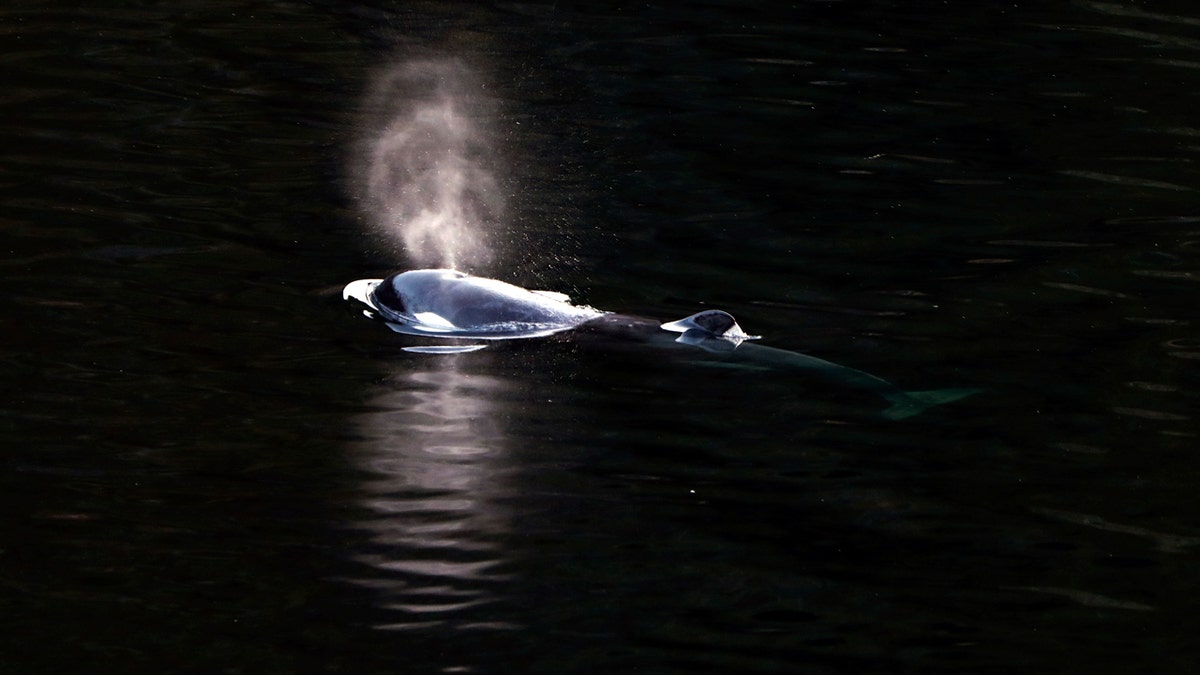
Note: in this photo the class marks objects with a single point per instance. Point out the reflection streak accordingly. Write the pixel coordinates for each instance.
(432, 502)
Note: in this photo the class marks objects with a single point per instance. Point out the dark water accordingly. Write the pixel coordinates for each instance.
(211, 464)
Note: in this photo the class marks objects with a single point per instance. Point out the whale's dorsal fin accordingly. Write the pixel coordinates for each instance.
(711, 322)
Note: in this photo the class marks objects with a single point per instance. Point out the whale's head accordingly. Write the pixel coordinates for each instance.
(449, 303)
(406, 295)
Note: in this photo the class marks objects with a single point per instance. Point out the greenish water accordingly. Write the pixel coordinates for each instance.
(211, 464)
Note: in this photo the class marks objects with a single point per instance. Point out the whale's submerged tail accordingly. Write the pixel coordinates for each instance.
(907, 404)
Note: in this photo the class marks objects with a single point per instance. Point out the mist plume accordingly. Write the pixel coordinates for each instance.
(424, 171)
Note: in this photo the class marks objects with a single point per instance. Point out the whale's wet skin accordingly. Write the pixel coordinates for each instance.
(453, 306)
(450, 304)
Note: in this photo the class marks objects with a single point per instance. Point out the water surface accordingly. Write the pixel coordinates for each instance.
(212, 464)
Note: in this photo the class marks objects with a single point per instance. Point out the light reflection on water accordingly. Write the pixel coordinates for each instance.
(435, 458)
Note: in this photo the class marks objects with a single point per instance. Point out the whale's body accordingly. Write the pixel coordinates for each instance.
(451, 305)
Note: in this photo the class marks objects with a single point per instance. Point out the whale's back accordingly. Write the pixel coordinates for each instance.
(451, 303)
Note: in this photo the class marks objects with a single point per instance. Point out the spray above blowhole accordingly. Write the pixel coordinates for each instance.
(424, 172)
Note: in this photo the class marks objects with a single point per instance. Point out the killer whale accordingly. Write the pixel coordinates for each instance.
(448, 304)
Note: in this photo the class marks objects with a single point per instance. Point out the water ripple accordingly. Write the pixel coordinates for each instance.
(431, 507)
